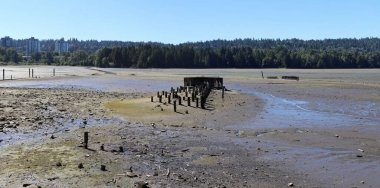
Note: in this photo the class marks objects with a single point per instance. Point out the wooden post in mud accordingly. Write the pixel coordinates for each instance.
(160, 99)
(188, 101)
(262, 74)
(11, 77)
(203, 102)
(196, 102)
(169, 99)
(32, 73)
(53, 71)
(166, 94)
(29, 72)
(3, 74)
(158, 94)
(179, 100)
(187, 94)
(223, 92)
(175, 106)
(151, 99)
(85, 140)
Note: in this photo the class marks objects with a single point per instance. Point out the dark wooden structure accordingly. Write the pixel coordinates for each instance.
(291, 78)
(212, 82)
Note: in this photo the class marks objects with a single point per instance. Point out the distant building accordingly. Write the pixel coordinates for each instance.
(61, 46)
(6, 42)
(32, 46)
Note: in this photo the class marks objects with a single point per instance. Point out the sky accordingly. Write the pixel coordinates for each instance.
(178, 21)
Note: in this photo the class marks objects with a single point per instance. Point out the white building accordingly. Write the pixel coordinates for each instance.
(32, 46)
(6, 42)
(61, 46)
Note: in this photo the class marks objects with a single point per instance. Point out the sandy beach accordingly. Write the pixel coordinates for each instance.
(321, 131)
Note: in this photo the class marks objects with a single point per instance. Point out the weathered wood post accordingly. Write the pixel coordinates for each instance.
(3, 74)
(11, 77)
(85, 140)
(29, 72)
(166, 94)
(223, 92)
(53, 71)
(262, 74)
(169, 99)
(203, 102)
(196, 102)
(188, 101)
(192, 96)
(175, 106)
(187, 94)
(151, 99)
(179, 101)
(158, 94)
(160, 99)
(32, 73)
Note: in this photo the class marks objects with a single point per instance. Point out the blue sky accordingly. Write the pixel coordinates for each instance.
(176, 21)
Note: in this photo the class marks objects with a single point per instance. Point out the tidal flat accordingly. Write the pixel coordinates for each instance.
(320, 131)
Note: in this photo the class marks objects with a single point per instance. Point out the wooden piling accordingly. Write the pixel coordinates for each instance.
(53, 71)
(223, 92)
(11, 77)
(166, 94)
(151, 99)
(188, 101)
(103, 168)
(3, 74)
(203, 101)
(32, 73)
(29, 72)
(197, 102)
(85, 139)
(179, 101)
(175, 106)
(160, 99)
(169, 99)
(158, 94)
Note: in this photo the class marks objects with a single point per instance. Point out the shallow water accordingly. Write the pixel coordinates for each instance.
(119, 84)
(286, 113)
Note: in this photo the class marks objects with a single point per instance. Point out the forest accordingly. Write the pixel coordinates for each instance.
(239, 53)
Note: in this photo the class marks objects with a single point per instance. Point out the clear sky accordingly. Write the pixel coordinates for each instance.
(176, 21)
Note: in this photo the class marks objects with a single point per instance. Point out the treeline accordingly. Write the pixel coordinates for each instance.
(186, 56)
(364, 44)
(240, 53)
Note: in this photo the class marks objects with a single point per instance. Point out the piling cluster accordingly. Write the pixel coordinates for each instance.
(190, 96)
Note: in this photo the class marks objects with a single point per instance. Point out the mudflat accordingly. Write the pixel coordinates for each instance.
(320, 131)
